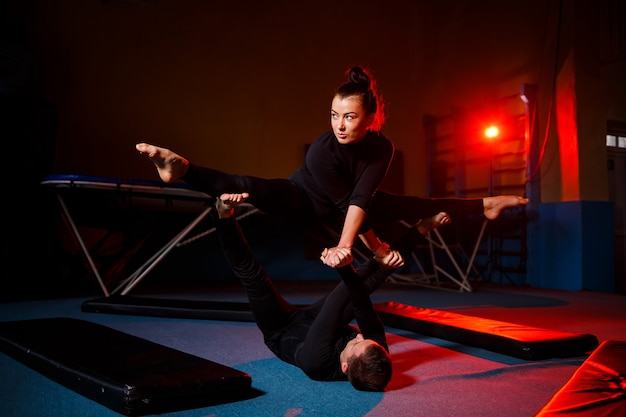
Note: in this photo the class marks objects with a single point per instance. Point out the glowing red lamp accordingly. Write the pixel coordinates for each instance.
(491, 132)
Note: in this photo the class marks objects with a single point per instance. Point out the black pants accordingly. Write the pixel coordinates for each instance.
(284, 198)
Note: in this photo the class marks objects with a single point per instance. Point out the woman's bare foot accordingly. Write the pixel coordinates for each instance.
(426, 225)
(494, 205)
(170, 165)
(225, 205)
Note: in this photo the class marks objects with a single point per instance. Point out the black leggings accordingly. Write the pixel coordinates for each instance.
(272, 312)
(285, 198)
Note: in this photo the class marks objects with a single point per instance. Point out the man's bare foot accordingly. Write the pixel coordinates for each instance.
(170, 165)
(426, 225)
(225, 205)
(494, 205)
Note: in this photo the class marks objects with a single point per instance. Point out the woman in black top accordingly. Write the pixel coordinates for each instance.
(319, 338)
(338, 183)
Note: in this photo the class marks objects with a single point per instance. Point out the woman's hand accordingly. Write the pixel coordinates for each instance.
(336, 257)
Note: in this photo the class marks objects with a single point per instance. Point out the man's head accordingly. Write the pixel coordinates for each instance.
(366, 363)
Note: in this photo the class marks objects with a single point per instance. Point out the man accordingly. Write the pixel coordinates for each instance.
(319, 338)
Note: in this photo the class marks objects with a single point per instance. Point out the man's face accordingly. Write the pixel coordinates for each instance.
(354, 348)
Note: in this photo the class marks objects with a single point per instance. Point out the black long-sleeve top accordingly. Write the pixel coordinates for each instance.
(340, 175)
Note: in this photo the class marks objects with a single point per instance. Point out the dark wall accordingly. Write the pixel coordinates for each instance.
(244, 86)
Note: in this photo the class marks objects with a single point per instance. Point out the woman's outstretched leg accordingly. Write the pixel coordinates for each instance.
(173, 167)
(389, 207)
(276, 197)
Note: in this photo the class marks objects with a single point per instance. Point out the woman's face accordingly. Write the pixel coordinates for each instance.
(348, 119)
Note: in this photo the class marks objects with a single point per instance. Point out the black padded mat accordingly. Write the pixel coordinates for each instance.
(520, 341)
(169, 307)
(517, 340)
(128, 374)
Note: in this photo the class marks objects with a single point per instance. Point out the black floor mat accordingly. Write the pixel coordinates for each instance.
(128, 374)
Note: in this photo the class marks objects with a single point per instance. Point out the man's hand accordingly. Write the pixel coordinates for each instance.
(336, 257)
(391, 259)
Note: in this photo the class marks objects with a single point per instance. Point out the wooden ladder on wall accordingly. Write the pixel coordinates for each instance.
(462, 162)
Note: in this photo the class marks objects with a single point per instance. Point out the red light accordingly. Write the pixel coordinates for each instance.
(491, 132)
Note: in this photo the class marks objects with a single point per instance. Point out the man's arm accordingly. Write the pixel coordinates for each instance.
(366, 317)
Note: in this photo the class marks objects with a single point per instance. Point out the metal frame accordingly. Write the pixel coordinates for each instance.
(458, 276)
(162, 191)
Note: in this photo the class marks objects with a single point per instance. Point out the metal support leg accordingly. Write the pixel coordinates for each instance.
(82, 245)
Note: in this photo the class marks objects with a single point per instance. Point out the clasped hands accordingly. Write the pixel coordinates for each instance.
(337, 257)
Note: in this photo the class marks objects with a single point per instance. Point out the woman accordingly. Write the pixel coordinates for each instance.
(338, 183)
